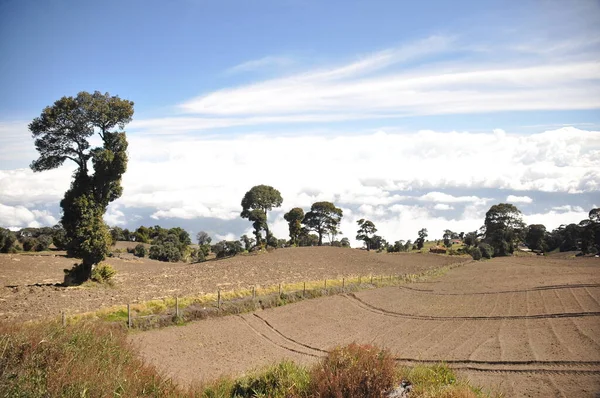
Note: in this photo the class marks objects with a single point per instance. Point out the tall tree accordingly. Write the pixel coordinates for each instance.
(365, 231)
(61, 133)
(294, 218)
(203, 238)
(323, 218)
(535, 237)
(421, 239)
(503, 227)
(260, 198)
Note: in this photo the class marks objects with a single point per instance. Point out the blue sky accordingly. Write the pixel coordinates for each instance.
(497, 99)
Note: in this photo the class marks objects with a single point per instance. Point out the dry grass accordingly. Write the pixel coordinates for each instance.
(83, 360)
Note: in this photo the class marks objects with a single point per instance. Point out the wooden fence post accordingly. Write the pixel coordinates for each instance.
(325, 283)
(129, 316)
(304, 290)
(253, 291)
(219, 299)
(177, 307)
(371, 279)
(280, 289)
(343, 283)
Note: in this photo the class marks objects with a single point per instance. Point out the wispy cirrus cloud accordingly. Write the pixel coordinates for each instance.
(267, 62)
(411, 80)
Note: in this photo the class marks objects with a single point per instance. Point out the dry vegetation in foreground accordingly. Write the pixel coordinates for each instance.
(93, 359)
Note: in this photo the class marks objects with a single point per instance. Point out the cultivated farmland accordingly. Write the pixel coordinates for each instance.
(28, 289)
(525, 326)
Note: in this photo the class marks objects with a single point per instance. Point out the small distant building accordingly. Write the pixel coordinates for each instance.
(456, 242)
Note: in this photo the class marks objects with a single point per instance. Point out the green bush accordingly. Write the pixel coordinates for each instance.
(487, 251)
(166, 251)
(354, 371)
(29, 244)
(139, 250)
(103, 273)
(227, 248)
(476, 253)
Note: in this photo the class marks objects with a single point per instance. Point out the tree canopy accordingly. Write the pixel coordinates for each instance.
(255, 204)
(323, 218)
(503, 226)
(294, 218)
(61, 133)
(365, 231)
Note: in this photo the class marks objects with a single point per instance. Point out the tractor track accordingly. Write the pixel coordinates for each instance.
(371, 308)
(522, 367)
(535, 289)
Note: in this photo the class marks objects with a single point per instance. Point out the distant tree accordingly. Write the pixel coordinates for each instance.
(203, 238)
(421, 239)
(365, 231)
(59, 239)
(247, 241)
(503, 227)
(260, 199)
(294, 218)
(117, 234)
(322, 218)
(7, 240)
(227, 248)
(378, 243)
(471, 239)
(345, 242)
(448, 236)
(170, 244)
(61, 133)
(142, 234)
(397, 247)
(535, 237)
(308, 239)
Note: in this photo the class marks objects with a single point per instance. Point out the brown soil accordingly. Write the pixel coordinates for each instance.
(28, 290)
(524, 326)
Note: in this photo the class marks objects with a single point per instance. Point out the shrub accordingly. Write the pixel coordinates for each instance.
(354, 371)
(43, 243)
(487, 251)
(165, 252)
(476, 253)
(139, 250)
(29, 244)
(103, 273)
(227, 248)
(283, 380)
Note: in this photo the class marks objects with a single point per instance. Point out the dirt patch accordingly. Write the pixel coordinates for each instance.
(27, 288)
(495, 322)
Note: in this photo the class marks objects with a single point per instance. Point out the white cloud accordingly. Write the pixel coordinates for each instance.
(518, 199)
(114, 216)
(553, 219)
(16, 217)
(441, 197)
(190, 178)
(568, 208)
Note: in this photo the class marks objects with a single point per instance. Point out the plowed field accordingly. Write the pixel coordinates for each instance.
(525, 326)
(28, 290)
